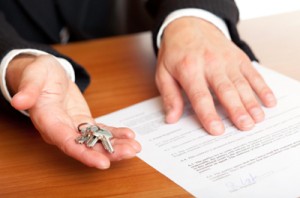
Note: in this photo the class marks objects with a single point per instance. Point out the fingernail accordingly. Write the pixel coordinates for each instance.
(168, 110)
(257, 114)
(169, 115)
(271, 100)
(216, 128)
(128, 156)
(137, 147)
(104, 165)
(245, 122)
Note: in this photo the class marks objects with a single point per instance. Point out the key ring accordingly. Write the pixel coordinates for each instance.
(80, 126)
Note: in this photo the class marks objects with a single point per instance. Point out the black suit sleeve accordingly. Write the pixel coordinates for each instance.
(225, 9)
(10, 39)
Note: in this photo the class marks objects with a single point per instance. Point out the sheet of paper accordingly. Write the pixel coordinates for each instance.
(263, 162)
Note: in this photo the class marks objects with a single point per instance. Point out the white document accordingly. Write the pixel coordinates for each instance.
(263, 162)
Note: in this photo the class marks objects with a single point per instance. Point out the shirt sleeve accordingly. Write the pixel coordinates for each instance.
(13, 53)
(195, 12)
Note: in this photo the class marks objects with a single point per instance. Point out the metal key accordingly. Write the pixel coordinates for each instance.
(82, 139)
(93, 136)
(105, 140)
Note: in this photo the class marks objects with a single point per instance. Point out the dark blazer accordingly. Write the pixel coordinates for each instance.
(37, 23)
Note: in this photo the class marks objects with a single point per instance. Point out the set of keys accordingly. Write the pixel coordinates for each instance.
(91, 134)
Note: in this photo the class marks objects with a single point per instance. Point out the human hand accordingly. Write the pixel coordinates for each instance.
(56, 107)
(197, 57)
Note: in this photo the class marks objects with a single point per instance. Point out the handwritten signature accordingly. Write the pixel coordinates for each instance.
(242, 182)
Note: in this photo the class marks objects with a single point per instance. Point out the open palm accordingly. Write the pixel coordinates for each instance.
(56, 107)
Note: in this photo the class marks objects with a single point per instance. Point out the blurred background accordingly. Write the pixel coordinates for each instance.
(259, 8)
(134, 17)
(130, 16)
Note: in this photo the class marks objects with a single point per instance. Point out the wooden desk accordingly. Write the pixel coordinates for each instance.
(122, 70)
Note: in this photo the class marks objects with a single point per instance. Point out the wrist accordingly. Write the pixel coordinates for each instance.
(189, 24)
(188, 30)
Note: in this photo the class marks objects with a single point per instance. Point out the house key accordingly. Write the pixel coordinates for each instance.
(105, 139)
(91, 134)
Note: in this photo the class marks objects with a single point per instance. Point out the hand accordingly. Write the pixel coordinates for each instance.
(57, 107)
(197, 57)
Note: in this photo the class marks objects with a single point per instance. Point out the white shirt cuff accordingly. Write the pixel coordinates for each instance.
(13, 53)
(195, 12)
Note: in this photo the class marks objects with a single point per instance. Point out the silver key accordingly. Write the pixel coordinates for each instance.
(92, 141)
(82, 139)
(93, 136)
(105, 140)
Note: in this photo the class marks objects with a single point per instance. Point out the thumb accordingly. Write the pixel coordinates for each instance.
(29, 89)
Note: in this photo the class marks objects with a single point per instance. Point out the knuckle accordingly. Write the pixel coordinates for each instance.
(209, 56)
(251, 104)
(239, 82)
(229, 55)
(237, 111)
(186, 67)
(238, 54)
(211, 59)
(224, 88)
(169, 99)
(244, 58)
(187, 63)
(200, 96)
(257, 80)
